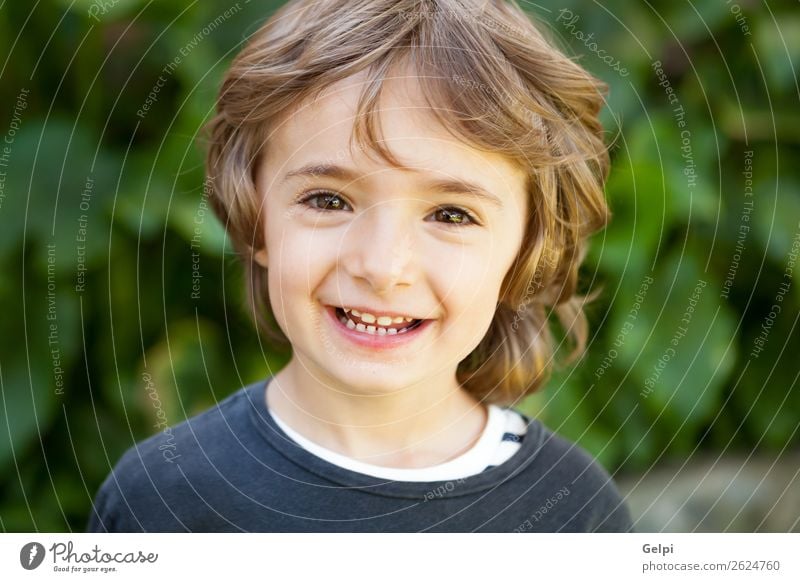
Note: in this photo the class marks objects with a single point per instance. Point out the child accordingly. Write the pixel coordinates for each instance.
(410, 185)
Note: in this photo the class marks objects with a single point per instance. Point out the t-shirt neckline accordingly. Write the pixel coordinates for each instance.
(265, 424)
(469, 462)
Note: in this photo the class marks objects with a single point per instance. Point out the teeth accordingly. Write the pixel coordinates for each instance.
(371, 329)
(384, 320)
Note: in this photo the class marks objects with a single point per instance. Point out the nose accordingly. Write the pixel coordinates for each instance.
(379, 249)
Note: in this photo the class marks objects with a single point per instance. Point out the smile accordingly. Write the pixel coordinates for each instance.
(364, 322)
(375, 330)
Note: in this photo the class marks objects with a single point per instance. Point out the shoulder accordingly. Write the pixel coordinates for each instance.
(155, 475)
(584, 497)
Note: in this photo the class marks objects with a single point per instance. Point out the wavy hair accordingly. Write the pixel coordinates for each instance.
(493, 80)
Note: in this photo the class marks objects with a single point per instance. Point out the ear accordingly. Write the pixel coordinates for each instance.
(260, 257)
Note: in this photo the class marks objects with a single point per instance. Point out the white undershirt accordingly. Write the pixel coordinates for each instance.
(489, 450)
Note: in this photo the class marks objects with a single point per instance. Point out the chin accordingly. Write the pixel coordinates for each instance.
(374, 378)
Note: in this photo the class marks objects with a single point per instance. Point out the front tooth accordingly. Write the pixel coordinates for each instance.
(399, 319)
(355, 312)
(381, 331)
(346, 309)
(384, 321)
(371, 329)
(409, 319)
(366, 317)
(361, 327)
(350, 324)
(392, 331)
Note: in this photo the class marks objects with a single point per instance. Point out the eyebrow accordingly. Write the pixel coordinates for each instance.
(442, 186)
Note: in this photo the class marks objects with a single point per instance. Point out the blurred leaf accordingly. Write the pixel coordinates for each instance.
(100, 10)
(184, 372)
(776, 217)
(689, 354)
(198, 225)
(26, 409)
(777, 49)
(60, 184)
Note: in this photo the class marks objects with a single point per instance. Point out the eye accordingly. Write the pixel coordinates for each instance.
(324, 201)
(454, 216)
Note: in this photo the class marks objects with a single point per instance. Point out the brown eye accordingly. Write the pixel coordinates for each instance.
(325, 201)
(454, 216)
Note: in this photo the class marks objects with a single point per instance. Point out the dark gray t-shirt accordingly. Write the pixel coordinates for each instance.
(232, 468)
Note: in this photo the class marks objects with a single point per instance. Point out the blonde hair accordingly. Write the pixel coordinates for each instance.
(493, 80)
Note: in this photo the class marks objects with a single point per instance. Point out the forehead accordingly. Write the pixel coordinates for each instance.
(321, 130)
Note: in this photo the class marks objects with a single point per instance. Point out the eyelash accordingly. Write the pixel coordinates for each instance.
(471, 220)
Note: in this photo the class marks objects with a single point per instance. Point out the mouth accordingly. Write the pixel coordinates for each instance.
(367, 323)
(376, 331)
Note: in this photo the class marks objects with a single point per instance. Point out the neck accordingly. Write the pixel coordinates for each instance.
(418, 426)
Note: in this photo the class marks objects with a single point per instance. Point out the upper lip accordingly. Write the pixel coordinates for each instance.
(376, 312)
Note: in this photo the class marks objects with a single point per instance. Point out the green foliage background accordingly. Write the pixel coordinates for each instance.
(83, 74)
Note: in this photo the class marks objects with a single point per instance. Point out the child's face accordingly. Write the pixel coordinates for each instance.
(387, 241)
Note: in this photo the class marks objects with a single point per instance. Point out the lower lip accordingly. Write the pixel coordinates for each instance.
(376, 341)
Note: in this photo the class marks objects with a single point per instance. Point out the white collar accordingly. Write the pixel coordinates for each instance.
(471, 462)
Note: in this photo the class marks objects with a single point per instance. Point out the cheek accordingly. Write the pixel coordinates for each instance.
(468, 283)
(296, 249)
(299, 259)
(467, 272)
